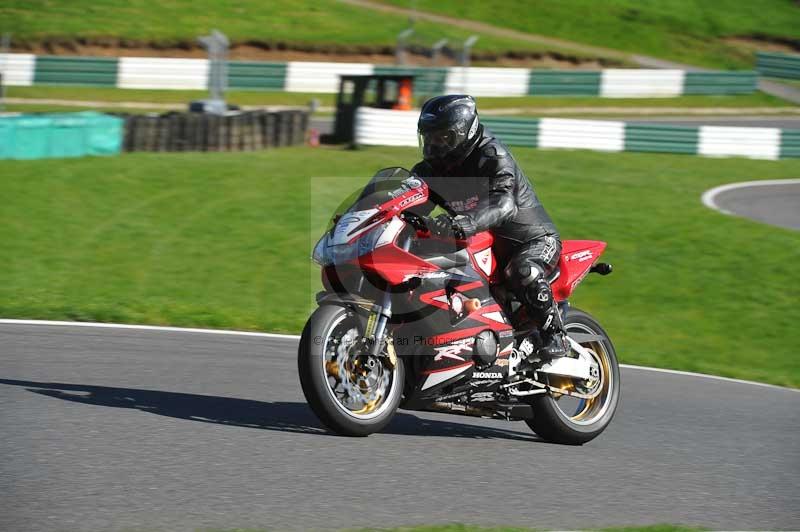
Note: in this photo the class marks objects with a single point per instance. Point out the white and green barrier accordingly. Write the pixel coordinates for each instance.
(17, 69)
(60, 135)
(778, 65)
(161, 73)
(398, 128)
(301, 76)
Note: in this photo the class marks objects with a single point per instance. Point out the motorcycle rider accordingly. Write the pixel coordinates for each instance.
(473, 176)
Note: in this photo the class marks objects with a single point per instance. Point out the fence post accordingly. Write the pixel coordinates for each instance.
(402, 40)
(217, 45)
(5, 43)
(465, 52)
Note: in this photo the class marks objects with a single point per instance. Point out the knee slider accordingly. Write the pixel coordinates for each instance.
(528, 274)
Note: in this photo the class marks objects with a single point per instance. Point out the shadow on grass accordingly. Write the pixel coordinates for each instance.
(278, 416)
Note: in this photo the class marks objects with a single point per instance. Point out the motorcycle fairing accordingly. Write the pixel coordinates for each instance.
(442, 345)
(483, 257)
(395, 265)
(577, 258)
(449, 363)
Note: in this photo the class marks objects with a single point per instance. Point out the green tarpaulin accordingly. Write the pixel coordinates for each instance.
(39, 136)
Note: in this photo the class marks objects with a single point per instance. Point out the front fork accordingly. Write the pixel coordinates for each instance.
(377, 322)
(379, 319)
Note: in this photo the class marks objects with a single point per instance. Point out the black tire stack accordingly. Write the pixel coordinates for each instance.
(236, 131)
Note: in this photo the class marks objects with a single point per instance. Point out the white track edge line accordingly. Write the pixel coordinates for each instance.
(149, 328)
(707, 376)
(709, 195)
(297, 337)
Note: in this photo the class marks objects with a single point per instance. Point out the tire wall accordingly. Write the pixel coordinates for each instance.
(241, 131)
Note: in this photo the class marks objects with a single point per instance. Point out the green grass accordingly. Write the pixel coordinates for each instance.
(103, 94)
(222, 240)
(108, 94)
(690, 31)
(111, 94)
(168, 23)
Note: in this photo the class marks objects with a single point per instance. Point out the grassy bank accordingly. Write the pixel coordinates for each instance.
(723, 34)
(222, 240)
(715, 34)
(323, 23)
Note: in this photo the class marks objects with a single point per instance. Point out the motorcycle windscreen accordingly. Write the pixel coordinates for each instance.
(352, 231)
(355, 236)
(382, 187)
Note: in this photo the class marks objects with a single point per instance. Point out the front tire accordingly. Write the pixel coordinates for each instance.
(555, 418)
(333, 378)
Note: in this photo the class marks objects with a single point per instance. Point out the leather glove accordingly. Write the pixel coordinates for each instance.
(460, 227)
(464, 226)
(442, 226)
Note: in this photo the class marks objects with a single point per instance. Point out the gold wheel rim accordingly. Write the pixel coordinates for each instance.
(605, 370)
(344, 369)
(588, 409)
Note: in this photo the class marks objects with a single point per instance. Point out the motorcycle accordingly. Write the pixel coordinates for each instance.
(408, 320)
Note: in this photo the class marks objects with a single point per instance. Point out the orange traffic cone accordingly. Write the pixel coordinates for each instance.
(403, 95)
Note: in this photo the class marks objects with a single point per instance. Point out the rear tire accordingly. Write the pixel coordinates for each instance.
(551, 422)
(316, 380)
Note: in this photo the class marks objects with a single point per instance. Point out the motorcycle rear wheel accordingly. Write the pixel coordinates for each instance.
(346, 397)
(576, 424)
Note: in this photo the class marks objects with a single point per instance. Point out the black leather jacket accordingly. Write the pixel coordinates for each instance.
(492, 190)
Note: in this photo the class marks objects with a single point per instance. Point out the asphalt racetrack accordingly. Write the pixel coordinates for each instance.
(771, 202)
(112, 429)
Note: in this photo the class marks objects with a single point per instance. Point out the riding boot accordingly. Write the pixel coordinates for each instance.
(543, 306)
(554, 340)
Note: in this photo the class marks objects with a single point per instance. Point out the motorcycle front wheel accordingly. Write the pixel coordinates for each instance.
(565, 419)
(351, 392)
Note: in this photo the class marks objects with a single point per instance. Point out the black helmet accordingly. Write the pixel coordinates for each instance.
(448, 129)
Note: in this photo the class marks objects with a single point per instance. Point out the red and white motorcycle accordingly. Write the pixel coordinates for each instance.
(407, 320)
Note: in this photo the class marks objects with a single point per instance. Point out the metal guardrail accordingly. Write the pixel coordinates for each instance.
(398, 128)
(790, 143)
(256, 75)
(515, 131)
(778, 65)
(720, 82)
(96, 71)
(301, 76)
(564, 82)
(661, 138)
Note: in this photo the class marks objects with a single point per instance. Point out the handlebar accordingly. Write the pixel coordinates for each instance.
(420, 223)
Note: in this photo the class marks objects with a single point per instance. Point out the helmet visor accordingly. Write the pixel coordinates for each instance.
(446, 138)
(436, 144)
